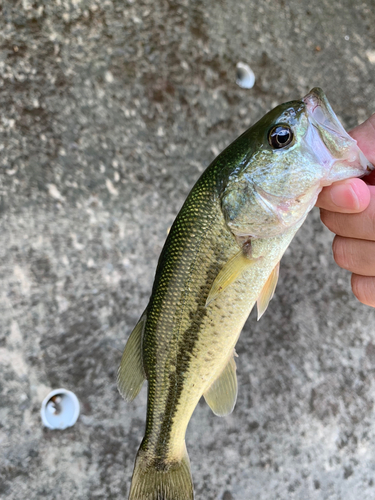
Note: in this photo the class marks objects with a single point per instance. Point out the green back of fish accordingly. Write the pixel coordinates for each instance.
(171, 330)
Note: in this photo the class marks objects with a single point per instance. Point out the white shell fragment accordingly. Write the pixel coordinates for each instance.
(245, 76)
(60, 409)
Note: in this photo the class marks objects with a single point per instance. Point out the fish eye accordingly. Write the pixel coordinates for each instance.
(280, 136)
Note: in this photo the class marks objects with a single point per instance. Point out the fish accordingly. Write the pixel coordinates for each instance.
(220, 258)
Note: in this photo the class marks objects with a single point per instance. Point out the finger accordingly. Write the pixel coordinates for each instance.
(364, 289)
(356, 256)
(360, 226)
(349, 196)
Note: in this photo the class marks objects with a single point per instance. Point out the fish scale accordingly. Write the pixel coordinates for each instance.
(198, 244)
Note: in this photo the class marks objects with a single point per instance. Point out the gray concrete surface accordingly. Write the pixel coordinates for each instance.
(110, 110)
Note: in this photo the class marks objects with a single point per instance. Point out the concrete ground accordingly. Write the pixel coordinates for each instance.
(110, 110)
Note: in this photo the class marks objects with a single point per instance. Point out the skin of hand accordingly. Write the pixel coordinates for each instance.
(347, 208)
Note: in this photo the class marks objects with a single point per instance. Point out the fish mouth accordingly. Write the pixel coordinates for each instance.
(330, 141)
(321, 113)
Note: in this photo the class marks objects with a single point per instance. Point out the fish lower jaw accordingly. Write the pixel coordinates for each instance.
(343, 174)
(353, 164)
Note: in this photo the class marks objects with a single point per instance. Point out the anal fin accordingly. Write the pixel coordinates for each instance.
(131, 374)
(267, 292)
(221, 396)
(230, 272)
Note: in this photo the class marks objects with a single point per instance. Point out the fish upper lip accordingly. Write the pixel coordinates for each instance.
(321, 114)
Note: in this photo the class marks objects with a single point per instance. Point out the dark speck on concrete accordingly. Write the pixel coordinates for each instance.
(227, 496)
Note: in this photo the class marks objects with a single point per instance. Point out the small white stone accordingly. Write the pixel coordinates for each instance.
(126, 262)
(371, 56)
(108, 77)
(111, 188)
(245, 76)
(54, 192)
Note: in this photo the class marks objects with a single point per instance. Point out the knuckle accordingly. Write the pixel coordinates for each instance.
(327, 218)
(371, 225)
(357, 286)
(334, 222)
(340, 252)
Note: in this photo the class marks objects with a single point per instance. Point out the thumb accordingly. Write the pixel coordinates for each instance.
(348, 196)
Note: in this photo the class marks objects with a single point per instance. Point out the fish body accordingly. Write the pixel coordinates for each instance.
(221, 257)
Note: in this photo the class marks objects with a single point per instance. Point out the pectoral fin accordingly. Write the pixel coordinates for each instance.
(131, 374)
(267, 292)
(230, 272)
(222, 394)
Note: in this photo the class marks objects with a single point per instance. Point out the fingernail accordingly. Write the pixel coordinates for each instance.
(344, 196)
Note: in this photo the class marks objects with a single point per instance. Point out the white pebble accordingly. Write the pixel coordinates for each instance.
(245, 76)
(371, 56)
(54, 192)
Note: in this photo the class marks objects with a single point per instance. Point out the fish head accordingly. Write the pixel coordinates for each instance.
(293, 152)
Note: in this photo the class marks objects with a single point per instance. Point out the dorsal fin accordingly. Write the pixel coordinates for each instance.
(221, 396)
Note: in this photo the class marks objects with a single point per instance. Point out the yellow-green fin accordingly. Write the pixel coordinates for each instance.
(230, 272)
(267, 292)
(131, 374)
(170, 480)
(222, 395)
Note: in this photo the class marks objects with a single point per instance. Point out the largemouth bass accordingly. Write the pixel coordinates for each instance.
(221, 257)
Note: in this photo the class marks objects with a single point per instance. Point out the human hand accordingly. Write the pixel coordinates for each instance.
(347, 208)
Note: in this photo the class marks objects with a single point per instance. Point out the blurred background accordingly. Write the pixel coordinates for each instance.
(110, 111)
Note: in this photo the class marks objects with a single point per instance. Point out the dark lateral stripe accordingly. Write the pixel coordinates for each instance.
(186, 347)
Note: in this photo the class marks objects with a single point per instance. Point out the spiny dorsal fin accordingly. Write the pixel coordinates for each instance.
(230, 272)
(267, 292)
(221, 396)
(131, 374)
